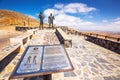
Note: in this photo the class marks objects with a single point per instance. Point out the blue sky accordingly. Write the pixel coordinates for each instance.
(79, 14)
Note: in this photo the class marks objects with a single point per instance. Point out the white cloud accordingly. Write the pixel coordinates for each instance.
(103, 27)
(72, 21)
(104, 21)
(48, 11)
(67, 20)
(69, 8)
(112, 27)
(58, 6)
(117, 23)
(62, 18)
(78, 8)
(74, 8)
(117, 19)
(109, 26)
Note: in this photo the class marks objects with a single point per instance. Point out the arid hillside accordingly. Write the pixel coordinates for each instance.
(8, 18)
(8, 21)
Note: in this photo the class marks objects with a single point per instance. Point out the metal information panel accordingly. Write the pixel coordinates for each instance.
(42, 60)
(55, 58)
(31, 61)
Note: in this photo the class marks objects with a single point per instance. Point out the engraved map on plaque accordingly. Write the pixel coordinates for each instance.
(31, 61)
(55, 58)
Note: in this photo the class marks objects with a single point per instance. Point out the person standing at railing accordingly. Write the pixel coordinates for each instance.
(41, 20)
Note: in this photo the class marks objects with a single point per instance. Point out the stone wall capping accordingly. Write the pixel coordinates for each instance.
(109, 42)
(8, 50)
(33, 31)
(100, 36)
(17, 43)
(22, 39)
(63, 38)
(24, 28)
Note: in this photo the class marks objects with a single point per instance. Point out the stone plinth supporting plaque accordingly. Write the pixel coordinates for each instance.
(42, 60)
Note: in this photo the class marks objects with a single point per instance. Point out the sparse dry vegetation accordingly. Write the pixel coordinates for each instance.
(8, 18)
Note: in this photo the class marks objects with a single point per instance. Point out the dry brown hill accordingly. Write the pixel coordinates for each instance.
(8, 18)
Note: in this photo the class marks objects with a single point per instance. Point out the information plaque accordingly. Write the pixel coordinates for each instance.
(31, 61)
(42, 60)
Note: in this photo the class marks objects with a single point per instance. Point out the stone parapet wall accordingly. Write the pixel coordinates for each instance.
(24, 28)
(109, 42)
(63, 38)
(16, 46)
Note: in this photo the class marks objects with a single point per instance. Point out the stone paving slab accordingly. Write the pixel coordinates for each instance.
(45, 37)
(90, 61)
(94, 62)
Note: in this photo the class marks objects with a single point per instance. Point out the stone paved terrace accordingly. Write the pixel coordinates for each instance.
(90, 61)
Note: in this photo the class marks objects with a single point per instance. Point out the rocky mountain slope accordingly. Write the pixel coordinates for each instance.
(8, 17)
